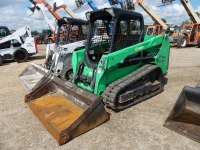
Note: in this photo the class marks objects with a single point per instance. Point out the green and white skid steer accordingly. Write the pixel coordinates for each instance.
(118, 67)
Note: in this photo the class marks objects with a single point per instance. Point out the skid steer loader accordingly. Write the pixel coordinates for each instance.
(18, 46)
(185, 115)
(58, 55)
(118, 66)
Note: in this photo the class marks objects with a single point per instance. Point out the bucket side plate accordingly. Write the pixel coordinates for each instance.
(32, 75)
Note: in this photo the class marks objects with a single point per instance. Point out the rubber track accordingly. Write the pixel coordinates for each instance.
(110, 94)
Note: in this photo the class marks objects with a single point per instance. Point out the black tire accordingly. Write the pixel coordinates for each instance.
(48, 41)
(198, 42)
(20, 55)
(181, 42)
(1, 60)
(67, 73)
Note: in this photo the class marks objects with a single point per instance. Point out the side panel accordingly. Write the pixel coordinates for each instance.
(162, 57)
(29, 45)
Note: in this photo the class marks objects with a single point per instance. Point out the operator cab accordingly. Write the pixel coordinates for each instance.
(71, 30)
(191, 32)
(110, 30)
(4, 31)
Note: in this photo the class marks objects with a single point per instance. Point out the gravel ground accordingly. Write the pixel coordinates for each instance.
(139, 127)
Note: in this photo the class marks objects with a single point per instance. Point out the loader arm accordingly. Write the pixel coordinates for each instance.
(67, 9)
(151, 13)
(20, 35)
(55, 14)
(52, 27)
(189, 9)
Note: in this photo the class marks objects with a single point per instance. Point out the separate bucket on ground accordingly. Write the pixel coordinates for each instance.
(185, 115)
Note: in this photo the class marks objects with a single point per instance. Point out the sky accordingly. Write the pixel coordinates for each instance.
(15, 14)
